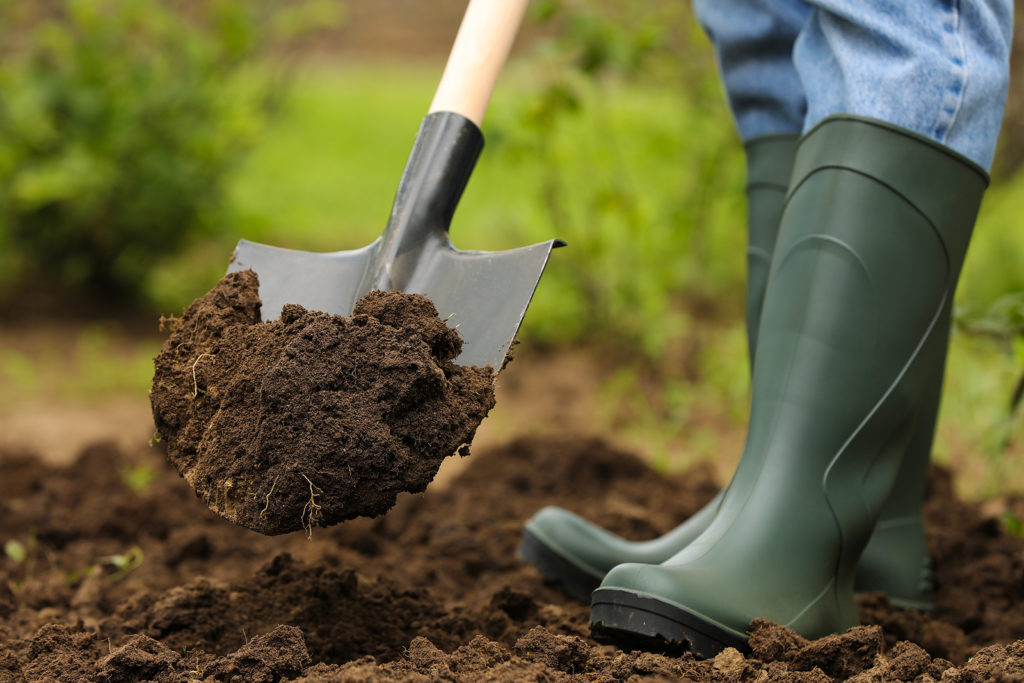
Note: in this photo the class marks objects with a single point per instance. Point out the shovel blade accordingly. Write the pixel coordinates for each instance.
(482, 294)
(326, 282)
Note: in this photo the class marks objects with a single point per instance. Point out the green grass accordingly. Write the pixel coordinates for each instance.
(324, 175)
(75, 365)
(321, 178)
(995, 260)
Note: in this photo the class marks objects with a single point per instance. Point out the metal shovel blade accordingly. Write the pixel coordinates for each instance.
(484, 295)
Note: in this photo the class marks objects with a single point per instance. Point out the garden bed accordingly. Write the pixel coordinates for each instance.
(114, 571)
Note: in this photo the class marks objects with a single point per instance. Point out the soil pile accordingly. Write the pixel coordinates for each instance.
(312, 419)
(115, 572)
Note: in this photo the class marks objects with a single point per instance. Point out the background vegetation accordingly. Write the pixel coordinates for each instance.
(139, 141)
(120, 123)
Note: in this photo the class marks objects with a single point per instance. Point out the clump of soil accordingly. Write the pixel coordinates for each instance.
(431, 591)
(312, 419)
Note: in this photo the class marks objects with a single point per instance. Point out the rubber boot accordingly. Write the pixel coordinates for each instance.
(896, 560)
(577, 554)
(870, 247)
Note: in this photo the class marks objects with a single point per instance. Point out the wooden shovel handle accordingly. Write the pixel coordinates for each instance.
(481, 47)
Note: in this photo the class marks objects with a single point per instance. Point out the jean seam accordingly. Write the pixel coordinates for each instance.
(940, 134)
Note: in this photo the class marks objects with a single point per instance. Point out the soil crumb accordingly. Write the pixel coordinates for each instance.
(431, 591)
(312, 419)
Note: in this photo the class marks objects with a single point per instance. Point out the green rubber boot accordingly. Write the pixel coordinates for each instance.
(577, 554)
(869, 250)
(896, 560)
(573, 552)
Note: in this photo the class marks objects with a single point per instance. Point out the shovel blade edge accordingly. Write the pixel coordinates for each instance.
(317, 281)
(482, 294)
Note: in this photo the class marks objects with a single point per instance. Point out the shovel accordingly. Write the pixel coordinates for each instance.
(483, 294)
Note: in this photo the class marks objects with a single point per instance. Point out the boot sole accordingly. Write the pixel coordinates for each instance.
(577, 583)
(634, 621)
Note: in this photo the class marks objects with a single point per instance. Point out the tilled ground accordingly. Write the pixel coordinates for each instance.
(113, 571)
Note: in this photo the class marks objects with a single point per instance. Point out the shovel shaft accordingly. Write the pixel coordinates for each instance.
(442, 159)
(481, 47)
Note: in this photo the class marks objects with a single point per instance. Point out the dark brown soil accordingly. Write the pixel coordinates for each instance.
(312, 419)
(431, 591)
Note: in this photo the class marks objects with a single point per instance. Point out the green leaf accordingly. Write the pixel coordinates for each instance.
(124, 564)
(139, 477)
(1013, 524)
(15, 550)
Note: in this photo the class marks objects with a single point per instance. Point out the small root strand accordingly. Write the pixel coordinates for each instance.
(267, 505)
(195, 382)
(311, 510)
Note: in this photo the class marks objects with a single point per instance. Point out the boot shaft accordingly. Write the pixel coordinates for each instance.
(871, 242)
(769, 167)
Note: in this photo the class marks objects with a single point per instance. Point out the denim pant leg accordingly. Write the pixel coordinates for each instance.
(937, 67)
(753, 41)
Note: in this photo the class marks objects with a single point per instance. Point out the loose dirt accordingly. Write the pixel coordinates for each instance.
(117, 573)
(312, 419)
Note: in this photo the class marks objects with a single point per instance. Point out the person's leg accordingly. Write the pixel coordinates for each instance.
(577, 554)
(872, 238)
(869, 249)
(946, 80)
(938, 68)
(754, 56)
(753, 42)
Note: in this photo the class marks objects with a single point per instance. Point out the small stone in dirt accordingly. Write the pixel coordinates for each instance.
(312, 419)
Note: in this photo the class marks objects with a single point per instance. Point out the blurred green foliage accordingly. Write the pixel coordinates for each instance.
(92, 363)
(138, 477)
(612, 133)
(643, 181)
(119, 121)
(990, 303)
(1001, 323)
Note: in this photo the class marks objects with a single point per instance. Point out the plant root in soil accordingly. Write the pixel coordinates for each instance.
(433, 591)
(365, 406)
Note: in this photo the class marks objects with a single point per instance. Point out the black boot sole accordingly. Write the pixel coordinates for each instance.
(577, 583)
(638, 622)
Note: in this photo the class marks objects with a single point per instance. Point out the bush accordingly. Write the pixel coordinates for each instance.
(642, 175)
(119, 122)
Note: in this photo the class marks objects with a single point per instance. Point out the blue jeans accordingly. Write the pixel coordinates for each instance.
(937, 67)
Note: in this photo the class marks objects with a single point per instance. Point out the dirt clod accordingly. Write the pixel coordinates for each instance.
(312, 419)
(278, 655)
(140, 659)
(61, 653)
(431, 591)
